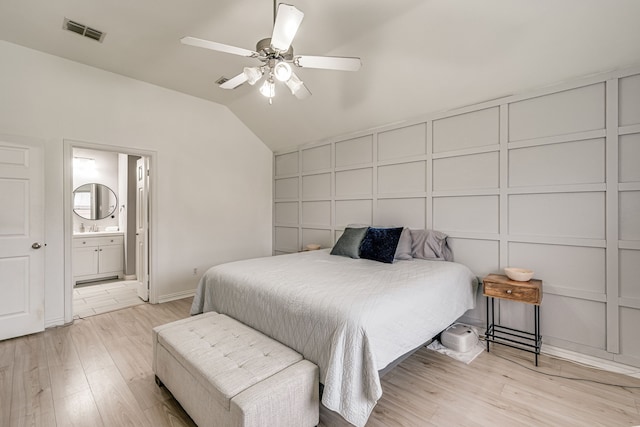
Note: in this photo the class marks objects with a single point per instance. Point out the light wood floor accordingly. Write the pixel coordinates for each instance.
(97, 372)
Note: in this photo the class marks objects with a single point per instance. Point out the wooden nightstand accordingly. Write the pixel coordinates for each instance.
(499, 286)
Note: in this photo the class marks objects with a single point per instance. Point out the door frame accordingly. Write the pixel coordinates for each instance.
(68, 146)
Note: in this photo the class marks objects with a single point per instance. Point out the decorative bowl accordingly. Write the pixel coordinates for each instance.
(312, 246)
(518, 274)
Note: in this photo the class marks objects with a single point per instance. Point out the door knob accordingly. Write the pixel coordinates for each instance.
(36, 245)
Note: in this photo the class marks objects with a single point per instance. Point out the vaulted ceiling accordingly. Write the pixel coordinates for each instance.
(419, 56)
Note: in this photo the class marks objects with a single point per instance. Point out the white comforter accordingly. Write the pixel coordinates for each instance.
(350, 317)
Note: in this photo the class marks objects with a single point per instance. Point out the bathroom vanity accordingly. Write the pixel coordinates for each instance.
(97, 256)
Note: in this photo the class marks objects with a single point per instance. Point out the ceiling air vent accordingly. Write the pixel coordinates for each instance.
(83, 30)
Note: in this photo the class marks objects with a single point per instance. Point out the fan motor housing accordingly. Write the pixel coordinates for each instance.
(264, 47)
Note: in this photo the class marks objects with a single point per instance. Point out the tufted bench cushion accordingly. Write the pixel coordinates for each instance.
(225, 373)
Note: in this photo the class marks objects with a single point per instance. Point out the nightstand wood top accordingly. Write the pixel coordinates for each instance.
(500, 286)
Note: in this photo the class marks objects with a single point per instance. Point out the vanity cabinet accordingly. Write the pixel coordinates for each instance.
(98, 257)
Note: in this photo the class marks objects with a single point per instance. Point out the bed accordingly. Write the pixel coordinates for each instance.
(351, 317)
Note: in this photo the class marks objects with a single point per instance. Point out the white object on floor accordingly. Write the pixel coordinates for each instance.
(459, 337)
(474, 347)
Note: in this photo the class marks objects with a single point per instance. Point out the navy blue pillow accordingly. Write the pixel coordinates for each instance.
(379, 244)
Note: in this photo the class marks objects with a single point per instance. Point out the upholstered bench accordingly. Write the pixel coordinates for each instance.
(225, 373)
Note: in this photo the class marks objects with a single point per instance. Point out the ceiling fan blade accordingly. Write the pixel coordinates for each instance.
(303, 92)
(288, 21)
(328, 62)
(192, 41)
(297, 87)
(234, 82)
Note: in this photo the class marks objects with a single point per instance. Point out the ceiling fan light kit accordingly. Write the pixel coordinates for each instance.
(253, 74)
(268, 88)
(282, 71)
(297, 88)
(276, 55)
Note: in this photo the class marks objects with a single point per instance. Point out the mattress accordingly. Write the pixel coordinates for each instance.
(351, 317)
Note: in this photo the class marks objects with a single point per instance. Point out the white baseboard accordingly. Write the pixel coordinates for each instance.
(176, 295)
(574, 356)
(50, 323)
(596, 362)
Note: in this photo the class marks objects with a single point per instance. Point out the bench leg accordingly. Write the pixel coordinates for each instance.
(159, 382)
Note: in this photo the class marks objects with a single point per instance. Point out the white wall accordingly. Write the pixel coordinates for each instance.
(547, 180)
(213, 175)
(105, 172)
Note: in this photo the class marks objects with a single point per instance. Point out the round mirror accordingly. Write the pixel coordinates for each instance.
(94, 201)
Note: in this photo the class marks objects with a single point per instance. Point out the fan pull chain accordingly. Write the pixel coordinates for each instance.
(275, 11)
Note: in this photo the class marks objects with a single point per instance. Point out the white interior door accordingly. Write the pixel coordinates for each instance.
(21, 238)
(142, 227)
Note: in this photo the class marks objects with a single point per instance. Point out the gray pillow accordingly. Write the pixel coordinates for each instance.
(349, 243)
(403, 251)
(430, 244)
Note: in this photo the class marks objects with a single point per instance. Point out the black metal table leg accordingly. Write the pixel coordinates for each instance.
(536, 315)
(487, 331)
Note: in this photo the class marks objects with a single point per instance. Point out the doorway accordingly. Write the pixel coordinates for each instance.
(107, 218)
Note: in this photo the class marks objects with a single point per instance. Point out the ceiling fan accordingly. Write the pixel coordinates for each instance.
(276, 55)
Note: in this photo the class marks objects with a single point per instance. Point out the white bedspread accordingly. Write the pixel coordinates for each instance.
(350, 317)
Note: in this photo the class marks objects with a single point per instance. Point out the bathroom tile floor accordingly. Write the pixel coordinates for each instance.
(102, 297)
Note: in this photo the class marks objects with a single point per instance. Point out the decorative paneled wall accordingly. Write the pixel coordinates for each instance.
(548, 181)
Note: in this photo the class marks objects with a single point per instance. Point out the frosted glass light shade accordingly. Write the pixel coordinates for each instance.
(282, 71)
(253, 74)
(294, 84)
(268, 88)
